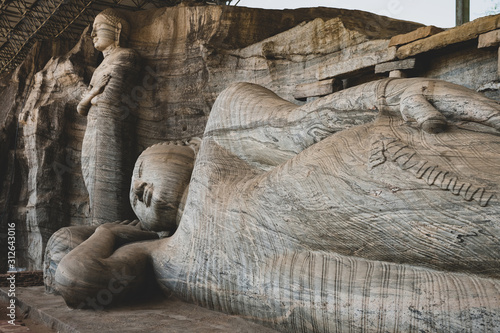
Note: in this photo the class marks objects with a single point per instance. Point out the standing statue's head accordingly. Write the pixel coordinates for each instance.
(160, 184)
(110, 29)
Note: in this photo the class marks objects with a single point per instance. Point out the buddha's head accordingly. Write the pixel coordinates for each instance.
(110, 29)
(160, 184)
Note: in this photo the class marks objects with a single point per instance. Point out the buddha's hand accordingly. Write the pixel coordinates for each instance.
(434, 103)
(129, 232)
(101, 83)
(83, 108)
(89, 98)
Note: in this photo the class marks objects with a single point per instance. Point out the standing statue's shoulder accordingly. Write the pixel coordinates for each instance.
(129, 55)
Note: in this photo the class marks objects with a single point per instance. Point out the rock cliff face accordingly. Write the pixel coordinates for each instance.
(191, 53)
(31, 173)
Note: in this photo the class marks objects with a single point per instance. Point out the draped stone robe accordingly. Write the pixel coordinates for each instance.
(381, 227)
(302, 225)
(107, 154)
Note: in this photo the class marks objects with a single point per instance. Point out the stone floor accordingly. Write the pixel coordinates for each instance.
(18, 327)
(158, 315)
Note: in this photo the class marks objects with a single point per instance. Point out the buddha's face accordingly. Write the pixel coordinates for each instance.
(103, 33)
(161, 176)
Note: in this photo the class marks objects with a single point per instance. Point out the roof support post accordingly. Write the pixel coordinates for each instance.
(462, 12)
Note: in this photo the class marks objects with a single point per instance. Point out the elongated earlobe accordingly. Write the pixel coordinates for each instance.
(118, 31)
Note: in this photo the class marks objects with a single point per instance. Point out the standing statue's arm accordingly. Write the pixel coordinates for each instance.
(114, 87)
(84, 105)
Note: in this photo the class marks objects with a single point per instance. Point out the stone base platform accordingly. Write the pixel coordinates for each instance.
(155, 315)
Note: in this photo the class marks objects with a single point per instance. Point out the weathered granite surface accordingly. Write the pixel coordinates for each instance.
(459, 34)
(157, 315)
(414, 35)
(40, 157)
(286, 222)
(190, 53)
(108, 143)
(318, 218)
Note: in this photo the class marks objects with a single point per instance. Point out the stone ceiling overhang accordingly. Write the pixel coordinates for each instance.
(23, 22)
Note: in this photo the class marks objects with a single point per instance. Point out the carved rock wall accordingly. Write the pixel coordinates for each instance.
(191, 53)
(26, 160)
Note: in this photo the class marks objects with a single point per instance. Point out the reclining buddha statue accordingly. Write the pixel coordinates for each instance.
(372, 209)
